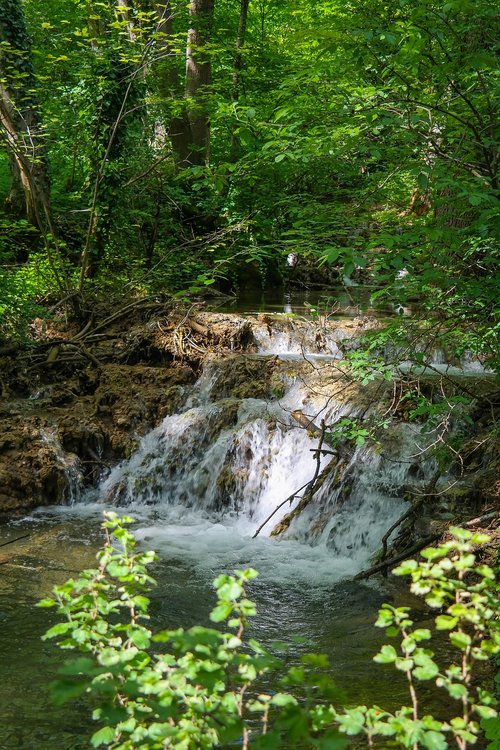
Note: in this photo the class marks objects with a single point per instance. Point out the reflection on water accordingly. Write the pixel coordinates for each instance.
(337, 620)
(335, 302)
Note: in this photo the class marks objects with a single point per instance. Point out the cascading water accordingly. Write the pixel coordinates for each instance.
(200, 485)
(207, 478)
(70, 465)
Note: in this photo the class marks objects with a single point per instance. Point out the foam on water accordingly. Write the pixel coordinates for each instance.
(288, 341)
(202, 482)
(206, 479)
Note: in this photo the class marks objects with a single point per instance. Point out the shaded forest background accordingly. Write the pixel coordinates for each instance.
(157, 146)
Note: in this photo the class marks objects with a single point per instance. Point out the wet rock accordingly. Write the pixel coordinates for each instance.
(79, 428)
(31, 471)
(244, 377)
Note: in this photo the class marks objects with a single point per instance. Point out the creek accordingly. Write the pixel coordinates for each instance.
(199, 485)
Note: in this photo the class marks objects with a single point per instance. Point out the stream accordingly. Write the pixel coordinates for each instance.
(199, 485)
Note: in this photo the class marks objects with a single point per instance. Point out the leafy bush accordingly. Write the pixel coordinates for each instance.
(199, 689)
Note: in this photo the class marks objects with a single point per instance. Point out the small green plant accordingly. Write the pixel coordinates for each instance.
(199, 689)
(356, 430)
(465, 593)
(190, 689)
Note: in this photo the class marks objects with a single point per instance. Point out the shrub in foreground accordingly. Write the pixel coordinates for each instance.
(200, 688)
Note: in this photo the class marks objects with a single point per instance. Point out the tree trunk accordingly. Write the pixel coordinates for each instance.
(109, 134)
(15, 204)
(169, 83)
(189, 128)
(199, 77)
(237, 67)
(20, 122)
(124, 13)
(240, 41)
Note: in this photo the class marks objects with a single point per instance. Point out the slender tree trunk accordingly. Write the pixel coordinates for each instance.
(124, 13)
(199, 77)
(15, 205)
(20, 122)
(240, 41)
(169, 83)
(237, 68)
(188, 129)
(109, 133)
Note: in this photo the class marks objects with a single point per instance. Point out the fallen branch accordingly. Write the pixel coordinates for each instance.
(289, 499)
(311, 427)
(197, 327)
(415, 506)
(394, 560)
(494, 514)
(308, 485)
(17, 539)
(285, 522)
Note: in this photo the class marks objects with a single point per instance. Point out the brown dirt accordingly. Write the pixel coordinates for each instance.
(80, 402)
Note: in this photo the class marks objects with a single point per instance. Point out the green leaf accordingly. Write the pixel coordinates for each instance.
(456, 690)
(392, 632)
(460, 640)
(485, 712)
(140, 637)
(352, 722)
(491, 728)
(404, 664)
(445, 622)
(221, 612)
(406, 568)
(428, 672)
(104, 736)
(434, 741)
(60, 629)
(283, 700)
(46, 603)
(387, 655)
(117, 570)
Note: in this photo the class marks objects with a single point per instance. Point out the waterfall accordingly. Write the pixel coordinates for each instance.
(70, 465)
(205, 479)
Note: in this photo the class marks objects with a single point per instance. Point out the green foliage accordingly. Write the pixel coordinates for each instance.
(186, 689)
(360, 137)
(356, 431)
(466, 595)
(201, 687)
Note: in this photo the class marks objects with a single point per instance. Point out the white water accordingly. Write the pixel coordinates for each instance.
(292, 338)
(204, 480)
(70, 464)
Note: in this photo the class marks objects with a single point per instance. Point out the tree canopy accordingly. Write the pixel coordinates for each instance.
(170, 146)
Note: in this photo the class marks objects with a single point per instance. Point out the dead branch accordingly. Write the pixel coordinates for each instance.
(17, 539)
(197, 327)
(414, 507)
(492, 515)
(309, 485)
(394, 560)
(289, 499)
(313, 488)
(311, 427)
